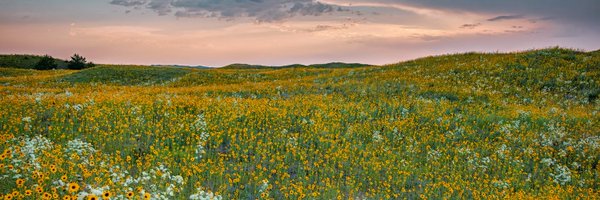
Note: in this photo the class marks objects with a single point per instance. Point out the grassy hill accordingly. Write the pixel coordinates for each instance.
(126, 75)
(326, 65)
(183, 66)
(338, 65)
(25, 61)
(11, 72)
(521, 125)
(244, 66)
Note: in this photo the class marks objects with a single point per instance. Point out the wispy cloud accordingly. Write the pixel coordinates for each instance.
(505, 17)
(261, 10)
(128, 2)
(470, 26)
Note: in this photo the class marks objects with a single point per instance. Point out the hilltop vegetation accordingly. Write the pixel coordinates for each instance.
(25, 61)
(43, 62)
(521, 125)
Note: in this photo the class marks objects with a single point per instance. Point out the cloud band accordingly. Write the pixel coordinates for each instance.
(261, 10)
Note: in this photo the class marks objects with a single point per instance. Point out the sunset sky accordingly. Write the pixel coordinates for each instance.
(279, 32)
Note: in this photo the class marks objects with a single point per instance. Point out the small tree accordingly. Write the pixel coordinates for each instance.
(45, 63)
(76, 62)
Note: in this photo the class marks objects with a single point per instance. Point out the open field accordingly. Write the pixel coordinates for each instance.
(466, 126)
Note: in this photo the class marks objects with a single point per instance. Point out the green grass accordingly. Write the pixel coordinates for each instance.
(11, 72)
(126, 75)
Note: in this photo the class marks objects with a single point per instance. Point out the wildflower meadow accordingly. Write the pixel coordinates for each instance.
(522, 125)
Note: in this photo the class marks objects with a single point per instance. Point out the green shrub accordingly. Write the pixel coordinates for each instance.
(46, 63)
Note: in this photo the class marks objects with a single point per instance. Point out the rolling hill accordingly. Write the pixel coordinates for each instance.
(326, 65)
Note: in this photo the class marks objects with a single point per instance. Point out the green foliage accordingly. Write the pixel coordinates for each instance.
(77, 62)
(25, 61)
(46, 63)
(439, 95)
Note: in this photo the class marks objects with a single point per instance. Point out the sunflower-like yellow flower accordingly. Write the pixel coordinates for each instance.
(91, 197)
(73, 187)
(147, 196)
(20, 182)
(46, 196)
(39, 189)
(106, 195)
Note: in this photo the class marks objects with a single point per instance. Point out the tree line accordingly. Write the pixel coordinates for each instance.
(77, 62)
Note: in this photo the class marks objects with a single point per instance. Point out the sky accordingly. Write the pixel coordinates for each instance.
(280, 32)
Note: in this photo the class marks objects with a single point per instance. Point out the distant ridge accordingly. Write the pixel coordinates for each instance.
(183, 66)
(25, 61)
(326, 65)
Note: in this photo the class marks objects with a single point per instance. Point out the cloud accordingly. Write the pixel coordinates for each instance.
(261, 10)
(310, 28)
(470, 26)
(128, 2)
(540, 19)
(574, 11)
(505, 17)
(428, 38)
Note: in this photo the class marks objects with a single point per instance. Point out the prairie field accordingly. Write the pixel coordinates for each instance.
(522, 125)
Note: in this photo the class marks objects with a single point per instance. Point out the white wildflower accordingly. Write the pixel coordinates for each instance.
(404, 112)
(200, 151)
(501, 151)
(548, 161)
(434, 154)
(34, 146)
(500, 184)
(68, 94)
(263, 186)
(79, 147)
(202, 195)
(377, 136)
(38, 97)
(200, 126)
(78, 107)
(561, 175)
(293, 141)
